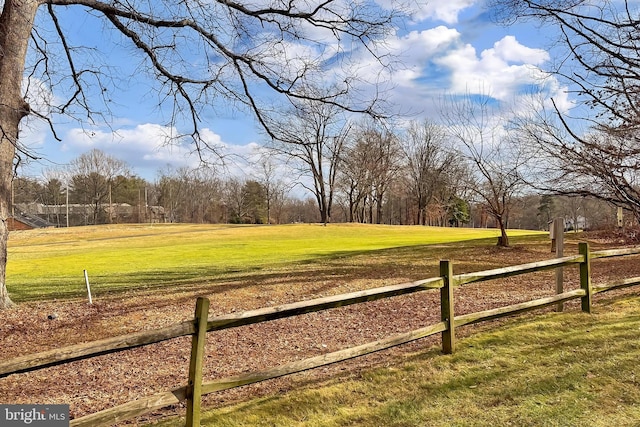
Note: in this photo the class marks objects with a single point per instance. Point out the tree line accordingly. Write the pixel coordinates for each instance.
(366, 174)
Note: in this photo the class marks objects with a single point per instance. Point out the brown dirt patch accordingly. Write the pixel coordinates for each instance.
(98, 383)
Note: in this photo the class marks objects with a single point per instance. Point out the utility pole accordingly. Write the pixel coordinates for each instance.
(110, 206)
(146, 205)
(67, 203)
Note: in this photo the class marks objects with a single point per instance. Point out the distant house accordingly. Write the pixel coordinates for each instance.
(27, 222)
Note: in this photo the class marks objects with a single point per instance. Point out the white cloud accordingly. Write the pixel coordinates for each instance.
(33, 133)
(38, 95)
(510, 50)
(434, 61)
(413, 51)
(149, 147)
(560, 96)
(446, 11)
(418, 46)
(33, 130)
(500, 70)
(137, 139)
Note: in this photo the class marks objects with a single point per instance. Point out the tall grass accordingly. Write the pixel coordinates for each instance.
(49, 263)
(561, 369)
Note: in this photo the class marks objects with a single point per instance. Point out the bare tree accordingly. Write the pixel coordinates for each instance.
(430, 162)
(26, 190)
(269, 175)
(170, 190)
(191, 195)
(94, 178)
(597, 154)
(235, 200)
(311, 136)
(194, 50)
(478, 126)
(596, 164)
(601, 42)
(369, 164)
(355, 178)
(255, 202)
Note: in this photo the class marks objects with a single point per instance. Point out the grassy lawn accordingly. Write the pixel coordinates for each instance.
(566, 369)
(560, 369)
(47, 264)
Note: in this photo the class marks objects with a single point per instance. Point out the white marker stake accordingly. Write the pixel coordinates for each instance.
(86, 279)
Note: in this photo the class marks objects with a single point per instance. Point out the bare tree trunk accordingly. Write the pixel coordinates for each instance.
(6, 175)
(352, 207)
(324, 212)
(503, 240)
(16, 22)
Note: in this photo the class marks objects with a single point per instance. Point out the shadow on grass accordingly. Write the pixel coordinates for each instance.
(406, 262)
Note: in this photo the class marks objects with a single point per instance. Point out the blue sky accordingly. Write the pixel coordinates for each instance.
(449, 47)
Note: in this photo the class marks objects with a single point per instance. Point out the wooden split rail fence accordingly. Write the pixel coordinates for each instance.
(201, 324)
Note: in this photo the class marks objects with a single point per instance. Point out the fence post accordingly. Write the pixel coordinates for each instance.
(194, 387)
(446, 307)
(86, 281)
(558, 230)
(585, 276)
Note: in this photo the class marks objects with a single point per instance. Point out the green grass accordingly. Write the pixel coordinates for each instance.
(45, 264)
(561, 369)
(567, 369)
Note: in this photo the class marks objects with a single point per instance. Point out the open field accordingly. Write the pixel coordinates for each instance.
(50, 263)
(364, 263)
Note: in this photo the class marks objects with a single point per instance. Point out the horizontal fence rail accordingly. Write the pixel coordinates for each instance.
(138, 339)
(323, 360)
(319, 304)
(615, 252)
(501, 273)
(625, 283)
(201, 324)
(95, 348)
(496, 313)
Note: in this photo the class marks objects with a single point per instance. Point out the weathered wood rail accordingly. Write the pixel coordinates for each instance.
(201, 324)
